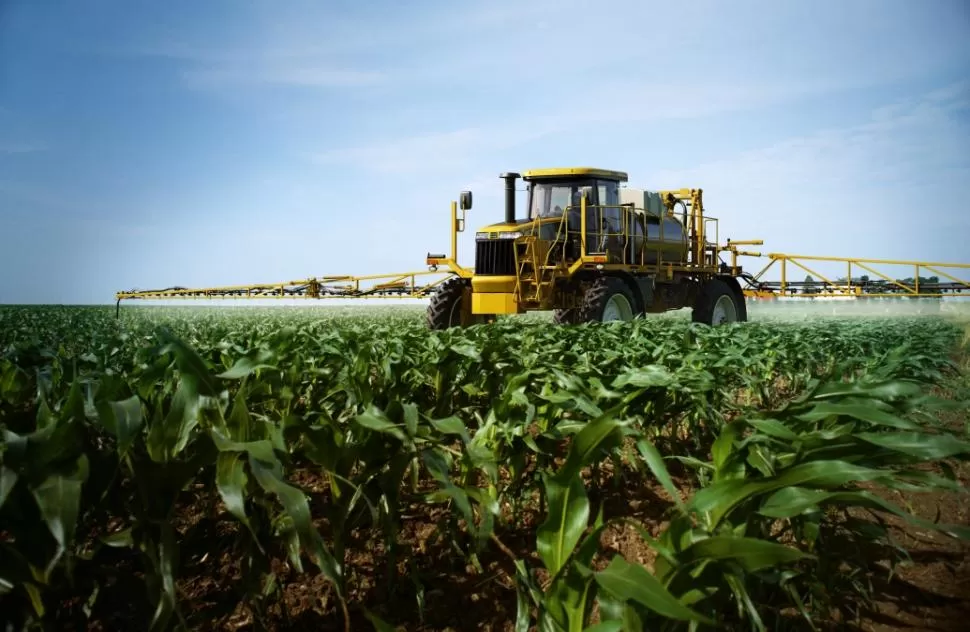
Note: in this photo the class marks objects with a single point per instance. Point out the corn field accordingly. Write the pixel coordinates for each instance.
(206, 469)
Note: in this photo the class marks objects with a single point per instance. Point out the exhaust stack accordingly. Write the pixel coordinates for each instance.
(510, 179)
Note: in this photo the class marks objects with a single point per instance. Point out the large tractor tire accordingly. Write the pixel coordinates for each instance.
(608, 299)
(566, 316)
(742, 301)
(718, 304)
(445, 309)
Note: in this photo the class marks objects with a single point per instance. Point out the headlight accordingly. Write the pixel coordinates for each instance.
(499, 235)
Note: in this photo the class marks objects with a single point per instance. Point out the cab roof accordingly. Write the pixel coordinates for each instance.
(565, 172)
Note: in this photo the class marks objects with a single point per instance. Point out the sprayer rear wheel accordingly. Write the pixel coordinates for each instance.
(608, 299)
(717, 304)
(569, 316)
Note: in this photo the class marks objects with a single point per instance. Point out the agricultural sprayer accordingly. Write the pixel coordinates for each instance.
(590, 248)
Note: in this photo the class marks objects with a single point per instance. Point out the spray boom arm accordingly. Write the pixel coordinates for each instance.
(417, 285)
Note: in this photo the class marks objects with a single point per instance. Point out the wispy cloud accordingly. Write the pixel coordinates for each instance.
(310, 76)
(634, 103)
(14, 147)
(502, 41)
(886, 184)
(557, 94)
(405, 154)
(318, 97)
(306, 30)
(910, 138)
(309, 45)
(37, 196)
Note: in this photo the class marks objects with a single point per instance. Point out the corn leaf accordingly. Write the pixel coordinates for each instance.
(630, 582)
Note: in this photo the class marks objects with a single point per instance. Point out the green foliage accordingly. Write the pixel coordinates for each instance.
(109, 423)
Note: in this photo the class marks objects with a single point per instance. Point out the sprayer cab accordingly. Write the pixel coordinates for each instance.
(552, 192)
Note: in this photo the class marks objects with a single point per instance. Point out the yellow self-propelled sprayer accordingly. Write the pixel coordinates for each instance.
(592, 249)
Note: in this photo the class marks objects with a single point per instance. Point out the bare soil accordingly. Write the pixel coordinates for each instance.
(931, 591)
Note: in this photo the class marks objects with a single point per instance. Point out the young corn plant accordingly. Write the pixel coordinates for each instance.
(566, 548)
(776, 477)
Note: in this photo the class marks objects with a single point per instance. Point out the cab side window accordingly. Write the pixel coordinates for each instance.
(559, 201)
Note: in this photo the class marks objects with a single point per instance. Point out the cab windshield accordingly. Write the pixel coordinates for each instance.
(550, 200)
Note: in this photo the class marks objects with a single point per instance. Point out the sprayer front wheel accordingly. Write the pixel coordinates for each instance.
(445, 308)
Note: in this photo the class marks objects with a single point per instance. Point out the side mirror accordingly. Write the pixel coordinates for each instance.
(465, 200)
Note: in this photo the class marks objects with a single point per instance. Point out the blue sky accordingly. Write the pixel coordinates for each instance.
(147, 144)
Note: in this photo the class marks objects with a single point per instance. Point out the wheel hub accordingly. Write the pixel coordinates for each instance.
(724, 311)
(617, 308)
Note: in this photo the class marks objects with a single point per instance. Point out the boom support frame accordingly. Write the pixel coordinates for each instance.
(881, 284)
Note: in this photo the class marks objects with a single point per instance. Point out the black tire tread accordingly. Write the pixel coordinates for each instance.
(710, 292)
(741, 304)
(442, 302)
(595, 299)
(569, 316)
